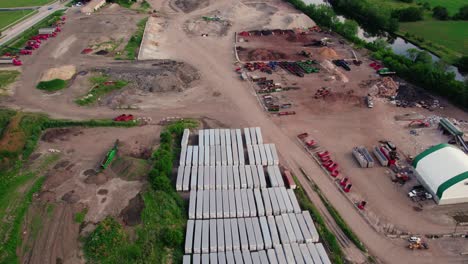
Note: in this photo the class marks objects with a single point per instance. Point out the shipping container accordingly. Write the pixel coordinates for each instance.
(220, 230)
(224, 178)
(217, 137)
(272, 259)
(229, 155)
(255, 178)
(287, 202)
(201, 156)
(248, 140)
(188, 157)
(207, 177)
(218, 178)
(274, 235)
(250, 155)
(305, 253)
(194, 178)
(266, 233)
(238, 257)
(239, 210)
(223, 155)
(230, 258)
(274, 201)
(253, 136)
(255, 257)
(283, 234)
(206, 140)
(201, 138)
(268, 154)
(311, 226)
(253, 208)
(249, 177)
(232, 203)
(258, 233)
(272, 176)
(267, 202)
(247, 257)
(294, 202)
(196, 258)
(221, 258)
(304, 229)
(258, 158)
(213, 236)
(200, 180)
(235, 154)
(186, 181)
(212, 203)
(259, 202)
(263, 257)
(225, 204)
(244, 241)
(263, 156)
(280, 255)
(236, 177)
(230, 178)
(289, 254)
(279, 197)
(235, 235)
(183, 155)
(258, 132)
(250, 234)
(245, 203)
(240, 147)
(274, 154)
(185, 138)
(289, 228)
(180, 178)
(218, 155)
(222, 137)
(199, 207)
(212, 155)
(192, 204)
(297, 253)
(296, 228)
(242, 176)
(186, 259)
(261, 176)
(288, 178)
(213, 258)
(314, 253)
(219, 204)
(206, 204)
(323, 254)
(189, 236)
(279, 177)
(227, 234)
(197, 237)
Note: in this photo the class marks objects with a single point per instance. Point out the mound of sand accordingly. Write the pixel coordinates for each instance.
(65, 73)
(291, 21)
(328, 53)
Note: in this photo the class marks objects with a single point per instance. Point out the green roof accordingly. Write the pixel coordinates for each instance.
(450, 127)
(449, 183)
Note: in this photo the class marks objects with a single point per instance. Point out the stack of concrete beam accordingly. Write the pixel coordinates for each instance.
(362, 155)
(380, 156)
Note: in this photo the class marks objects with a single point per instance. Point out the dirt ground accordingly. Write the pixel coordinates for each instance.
(338, 123)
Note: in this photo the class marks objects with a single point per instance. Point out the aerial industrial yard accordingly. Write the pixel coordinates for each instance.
(232, 131)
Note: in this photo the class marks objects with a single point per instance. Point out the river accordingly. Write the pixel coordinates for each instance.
(398, 45)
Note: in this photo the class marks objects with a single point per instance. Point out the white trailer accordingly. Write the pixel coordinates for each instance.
(240, 147)
(232, 203)
(258, 158)
(225, 204)
(267, 202)
(244, 241)
(194, 178)
(279, 177)
(323, 254)
(235, 154)
(250, 155)
(263, 257)
(217, 137)
(197, 238)
(245, 203)
(248, 176)
(259, 202)
(289, 228)
(268, 154)
(205, 258)
(212, 179)
(261, 176)
(268, 243)
(305, 253)
(289, 254)
(239, 210)
(220, 231)
(272, 256)
(250, 234)
(253, 208)
(248, 141)
(230, 178)
(247, 257)
(183, 155)
(213, 236)
(213, 258)
(180, 178)
(255, 178)
(186, 259)
(189, 236)
(218, 178)
(304, 229)
(294, 202)
(192, 204)
(272, 176)
(279, 197)
(207, 154)
(199, 207)
(201, 138)
(253, 136)
(311, 226)
(218, 154)
(224, 179)
(212, 155)
(196, 258)
(258, 132)
(275, 238)
(289, 206)
(263, 155)
(219, 204)
(314, 253)
(228, 234)
(280, 255)
(236, 177)
(258, 233)
(223, 155)
(222, 137)
(274, 202)
(297, 230)
(229, 155)
(200, 180)
(188, 157)
(185, 137)
(238, 257)
(230, 258)
(212, 203)
(274, 153)
(195, 152)
(186, 181)
(297, 253)
(235, 235)
(242, 177)
(207, 178)
(283, 234)
(206, 204)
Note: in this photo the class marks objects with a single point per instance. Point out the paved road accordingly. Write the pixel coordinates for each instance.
(22, 26)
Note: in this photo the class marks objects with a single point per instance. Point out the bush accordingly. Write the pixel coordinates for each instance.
(440, 13)
(52, 85)
(462, 13)
(409, 14)
(462, 64)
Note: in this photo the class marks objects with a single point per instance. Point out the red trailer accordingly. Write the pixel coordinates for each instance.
(25, 52)
(289, 179)
(124, 118)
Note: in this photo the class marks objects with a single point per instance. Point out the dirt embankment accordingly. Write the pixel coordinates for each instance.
(190, 5)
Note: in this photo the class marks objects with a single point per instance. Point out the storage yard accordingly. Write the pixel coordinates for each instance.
(309, 104)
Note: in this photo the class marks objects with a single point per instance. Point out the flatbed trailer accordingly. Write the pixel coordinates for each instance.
(189, 236)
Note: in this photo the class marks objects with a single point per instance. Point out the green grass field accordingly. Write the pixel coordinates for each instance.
(451, 34)
(22, 3)
(8, 17)
(452, 5)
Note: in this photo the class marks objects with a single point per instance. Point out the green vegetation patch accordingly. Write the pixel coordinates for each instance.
(452, 5)
(102, 85)
(133, 45)
(23, 3)
(80, 216)
(7, 78)
(9, 17)
(52, 85)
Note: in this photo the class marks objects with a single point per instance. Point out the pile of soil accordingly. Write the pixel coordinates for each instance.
(190, 5)
(328, 53)
(265, 55)
(61, 134)
(65, 73)
(131, 215)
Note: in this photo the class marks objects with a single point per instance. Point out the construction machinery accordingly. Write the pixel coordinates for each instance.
(110, 156)
(417, 243)
(124, 118)
(309, 143)
(385, 71)
(305, 53)
(342, 63)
